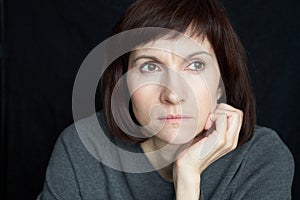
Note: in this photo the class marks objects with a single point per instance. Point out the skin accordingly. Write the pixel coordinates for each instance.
(174, 93)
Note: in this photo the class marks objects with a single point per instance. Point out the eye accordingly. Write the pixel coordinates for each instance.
(196, 66)
(149, 68)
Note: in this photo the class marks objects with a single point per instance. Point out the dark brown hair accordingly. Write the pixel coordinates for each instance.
(207, 18)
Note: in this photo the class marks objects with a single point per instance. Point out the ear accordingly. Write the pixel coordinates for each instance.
(219, 93)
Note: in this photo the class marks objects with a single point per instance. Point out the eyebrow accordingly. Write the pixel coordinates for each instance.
(197, 53)
(146, 57)
(158, 60)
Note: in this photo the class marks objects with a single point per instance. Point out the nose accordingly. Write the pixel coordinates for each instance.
(174, 88)
(170, 97)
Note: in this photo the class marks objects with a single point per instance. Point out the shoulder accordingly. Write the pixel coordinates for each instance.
(90, 140)
(262, 168)
(70, 147)
(267, 169)
(80, 143)
(85, 133)
(267, 146)
(74, 168)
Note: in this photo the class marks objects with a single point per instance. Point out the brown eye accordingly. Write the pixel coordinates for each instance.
(149, 68)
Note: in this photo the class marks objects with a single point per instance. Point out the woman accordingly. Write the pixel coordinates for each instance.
(189, 141)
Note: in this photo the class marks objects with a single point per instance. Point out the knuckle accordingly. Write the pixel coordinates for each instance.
(234, 145)
(229, 147)
(221, 142)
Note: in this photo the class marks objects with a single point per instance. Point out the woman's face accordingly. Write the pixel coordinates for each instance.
(174, 87)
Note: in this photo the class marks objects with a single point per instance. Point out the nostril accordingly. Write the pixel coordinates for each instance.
(170, 97)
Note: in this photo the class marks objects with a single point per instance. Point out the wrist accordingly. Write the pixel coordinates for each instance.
(186, 183)
(186, 169)
(186, 177)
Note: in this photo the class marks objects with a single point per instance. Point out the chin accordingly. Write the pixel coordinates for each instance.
(175, 136)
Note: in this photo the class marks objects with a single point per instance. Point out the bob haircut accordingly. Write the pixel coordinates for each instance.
(205, 18)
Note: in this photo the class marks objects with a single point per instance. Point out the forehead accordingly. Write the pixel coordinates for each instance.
(182, 45)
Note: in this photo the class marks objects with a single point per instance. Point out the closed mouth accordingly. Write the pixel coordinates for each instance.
(174, 117)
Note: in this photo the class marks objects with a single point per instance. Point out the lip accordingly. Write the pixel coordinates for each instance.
(174, 118)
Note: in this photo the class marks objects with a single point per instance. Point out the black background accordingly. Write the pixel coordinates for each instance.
(44, 42)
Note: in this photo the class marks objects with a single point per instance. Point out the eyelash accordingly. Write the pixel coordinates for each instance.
(197, 70)
(143, 66)
(159, 68)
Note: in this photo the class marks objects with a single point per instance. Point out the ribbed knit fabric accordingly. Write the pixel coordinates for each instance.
(261, 169)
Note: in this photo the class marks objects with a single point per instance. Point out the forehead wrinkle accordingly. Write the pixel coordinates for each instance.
(182, 44)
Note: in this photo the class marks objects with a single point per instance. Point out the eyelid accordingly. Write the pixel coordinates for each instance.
(195, 61)
(150, 63)
(147, 58)
(198, 59)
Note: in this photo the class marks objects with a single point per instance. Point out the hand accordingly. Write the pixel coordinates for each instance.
(224, 125)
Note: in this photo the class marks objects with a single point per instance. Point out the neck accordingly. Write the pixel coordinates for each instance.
(161, 154)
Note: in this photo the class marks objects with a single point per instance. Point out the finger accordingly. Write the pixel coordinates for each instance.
(231, 112)
(217, 139)
(226, 107)
(220, 121)
(228, 110)
(234, 118)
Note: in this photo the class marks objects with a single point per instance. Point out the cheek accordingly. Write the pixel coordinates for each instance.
(142, 102)
(139, 107)
(204, 95)
(205, 103)
(206, 91)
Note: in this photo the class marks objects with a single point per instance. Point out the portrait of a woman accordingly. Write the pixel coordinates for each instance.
(181, 100)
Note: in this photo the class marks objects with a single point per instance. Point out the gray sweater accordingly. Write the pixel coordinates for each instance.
(263, 168)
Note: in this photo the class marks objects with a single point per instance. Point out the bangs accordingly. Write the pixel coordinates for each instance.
(200, 19)
(194, 18)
